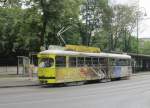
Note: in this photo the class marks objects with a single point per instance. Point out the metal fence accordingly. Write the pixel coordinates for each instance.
(12, 70)
(8, 69)
(19, 65)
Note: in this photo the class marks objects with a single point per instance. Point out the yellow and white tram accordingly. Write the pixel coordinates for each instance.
(62, 66)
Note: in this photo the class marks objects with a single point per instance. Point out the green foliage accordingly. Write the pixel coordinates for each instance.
(18, 30)
(123, 23)
(96, 14)
(12, 3)
(26, 25)
(9, 25)
(55, 15)
(145, 47)
(100, 40)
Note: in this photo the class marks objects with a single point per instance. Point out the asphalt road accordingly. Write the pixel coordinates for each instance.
(133, 93)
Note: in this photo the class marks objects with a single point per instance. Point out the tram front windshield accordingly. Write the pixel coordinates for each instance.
(46, 62)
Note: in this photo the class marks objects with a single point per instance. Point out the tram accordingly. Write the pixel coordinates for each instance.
(80, 64)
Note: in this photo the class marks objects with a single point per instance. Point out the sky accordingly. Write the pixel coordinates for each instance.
(144, 24)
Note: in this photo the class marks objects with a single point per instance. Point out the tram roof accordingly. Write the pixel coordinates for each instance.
(74, 53)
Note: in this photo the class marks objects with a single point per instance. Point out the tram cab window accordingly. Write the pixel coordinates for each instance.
(60, 61)
(80, 61)
(46, 62)
(72, 61)
(122, 62)
(119, 62)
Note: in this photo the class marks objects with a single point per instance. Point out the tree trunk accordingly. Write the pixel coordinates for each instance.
(43, 30)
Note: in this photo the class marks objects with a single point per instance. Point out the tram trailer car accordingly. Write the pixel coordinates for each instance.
(58, 66)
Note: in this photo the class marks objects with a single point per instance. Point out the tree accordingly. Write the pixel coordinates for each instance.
(36, 23)
(12, 3)
(123, 23)
(8, 20)
(28, 24)
(19, 29)
(94, 15)
(100, 40)
(145, 47)
(55, 15)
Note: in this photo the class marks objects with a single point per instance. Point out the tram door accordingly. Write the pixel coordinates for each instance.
(115, 68)
(104, 67)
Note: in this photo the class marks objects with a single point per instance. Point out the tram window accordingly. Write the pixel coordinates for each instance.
(72, 62)
(112, 62)
(125, 62)
(122, 62)
(60, 61)
(102, 61)
(129, 62)
(88, 61)
(46, 62)
(95, 61)
(118, 62)
(80, 61)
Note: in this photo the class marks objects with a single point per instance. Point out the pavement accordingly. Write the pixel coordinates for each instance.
(7, 81)
(132, 93)
(141, 73)
(17, 81)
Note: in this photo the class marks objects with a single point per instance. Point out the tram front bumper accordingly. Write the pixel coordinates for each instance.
(47, 80)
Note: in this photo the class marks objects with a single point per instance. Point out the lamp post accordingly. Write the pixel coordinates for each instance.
(138, 26)
(138, 15)
(137, 33)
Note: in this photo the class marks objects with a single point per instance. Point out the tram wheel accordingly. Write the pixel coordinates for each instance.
(78, 83)
(105, 80)
(125, 78)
